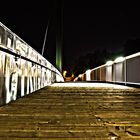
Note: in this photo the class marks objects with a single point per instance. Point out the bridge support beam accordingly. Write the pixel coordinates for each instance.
(59, 34)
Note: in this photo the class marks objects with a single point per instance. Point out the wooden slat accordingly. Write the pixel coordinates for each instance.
(73, 113)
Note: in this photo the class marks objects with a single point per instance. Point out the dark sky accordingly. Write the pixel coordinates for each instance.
(98, 28)
(85, 28)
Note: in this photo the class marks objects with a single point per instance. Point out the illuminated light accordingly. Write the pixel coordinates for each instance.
(80, 75)
(64, 73)
(58, 58)
(72, 75)
(59, 79)
(93, 85)
(114, 138)
(88, 72)
(119, 59)
(108, 63)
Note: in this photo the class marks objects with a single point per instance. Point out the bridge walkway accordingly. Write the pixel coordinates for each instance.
(73, 111)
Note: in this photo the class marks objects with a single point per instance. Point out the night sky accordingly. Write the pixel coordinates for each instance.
(85, 28)
(99, 28)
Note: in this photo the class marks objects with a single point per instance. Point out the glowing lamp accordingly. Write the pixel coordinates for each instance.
(108, 63)
(80, 76)
(119, 59)
(88, 75)
(88, 71)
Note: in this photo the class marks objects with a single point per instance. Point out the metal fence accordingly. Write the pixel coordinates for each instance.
(22, 69)
(122, 70)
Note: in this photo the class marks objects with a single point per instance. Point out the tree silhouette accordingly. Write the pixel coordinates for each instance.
(100, 57)
(90, 61)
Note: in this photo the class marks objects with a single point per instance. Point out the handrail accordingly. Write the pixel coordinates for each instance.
(22, 57)
(123, 70)
(22, 69)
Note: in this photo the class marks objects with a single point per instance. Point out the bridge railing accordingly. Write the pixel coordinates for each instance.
(125, 70)
(22, 69)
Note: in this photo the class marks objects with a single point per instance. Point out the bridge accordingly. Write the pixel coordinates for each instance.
(36, 103)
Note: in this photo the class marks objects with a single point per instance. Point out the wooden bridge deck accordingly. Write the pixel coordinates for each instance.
(73, 112)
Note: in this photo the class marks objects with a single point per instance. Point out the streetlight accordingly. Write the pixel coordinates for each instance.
(119, 59)
(88, 72)
(108, 63)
